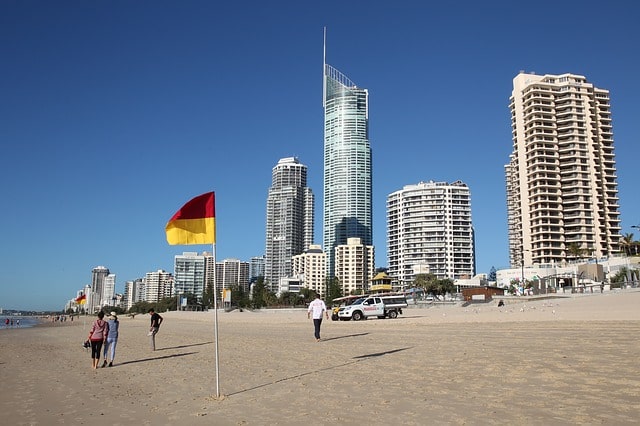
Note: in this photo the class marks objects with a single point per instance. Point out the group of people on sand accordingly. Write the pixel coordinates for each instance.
(103, 337)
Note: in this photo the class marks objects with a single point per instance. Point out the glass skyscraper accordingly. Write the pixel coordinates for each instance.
(347, 164)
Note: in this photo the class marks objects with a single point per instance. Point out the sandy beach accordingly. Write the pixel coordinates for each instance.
(573, 360)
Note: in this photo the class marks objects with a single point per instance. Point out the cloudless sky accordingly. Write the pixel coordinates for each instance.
(113, 114)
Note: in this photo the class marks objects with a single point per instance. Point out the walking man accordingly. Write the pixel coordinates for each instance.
(317, 308)
(156, 320)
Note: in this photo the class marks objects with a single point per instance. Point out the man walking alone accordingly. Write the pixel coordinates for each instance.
(317, 308)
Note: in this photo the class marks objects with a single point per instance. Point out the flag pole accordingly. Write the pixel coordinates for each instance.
(215, 317)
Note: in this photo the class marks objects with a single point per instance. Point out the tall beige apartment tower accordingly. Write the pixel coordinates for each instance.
(562, 190)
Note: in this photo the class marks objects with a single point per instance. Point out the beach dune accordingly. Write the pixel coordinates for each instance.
(570, 360)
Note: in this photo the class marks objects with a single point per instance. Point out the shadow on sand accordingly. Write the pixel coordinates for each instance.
(356, 360)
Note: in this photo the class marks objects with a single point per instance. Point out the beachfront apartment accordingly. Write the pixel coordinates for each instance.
(561, 182)
(429, 230)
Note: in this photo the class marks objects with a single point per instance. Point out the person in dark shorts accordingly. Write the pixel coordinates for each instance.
(156, 320)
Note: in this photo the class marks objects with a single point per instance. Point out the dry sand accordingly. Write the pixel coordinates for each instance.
(560, 361)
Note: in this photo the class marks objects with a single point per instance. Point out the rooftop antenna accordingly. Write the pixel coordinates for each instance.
(324, 67)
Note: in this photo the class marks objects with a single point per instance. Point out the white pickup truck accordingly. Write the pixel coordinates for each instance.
(370, 306)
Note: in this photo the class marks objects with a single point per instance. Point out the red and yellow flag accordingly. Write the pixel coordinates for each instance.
(81, 300)
(194, 223)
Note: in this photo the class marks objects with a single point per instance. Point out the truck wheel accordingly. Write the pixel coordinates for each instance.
(393, 314)
(357, 316)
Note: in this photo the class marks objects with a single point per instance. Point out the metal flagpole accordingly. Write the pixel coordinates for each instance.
(215, 318)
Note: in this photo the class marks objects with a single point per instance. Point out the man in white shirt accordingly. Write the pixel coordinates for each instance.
(317, 308)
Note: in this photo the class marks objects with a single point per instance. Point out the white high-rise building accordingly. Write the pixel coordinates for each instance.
(231, 273)
(109, 290)
(289, 219)
(95, 302)
(311, 268)
(158, 285)
(562, 191)
(189, 274)
(429, 230)
(133, 292)
(355, 266)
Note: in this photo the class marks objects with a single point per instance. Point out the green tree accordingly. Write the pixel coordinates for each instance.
(261, 296)
(239, 297)
(627, 242)
(425, 281)
(574, 251)
(493, 275)
(334, 290)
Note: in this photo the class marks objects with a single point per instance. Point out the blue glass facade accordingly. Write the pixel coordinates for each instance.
(347, 164)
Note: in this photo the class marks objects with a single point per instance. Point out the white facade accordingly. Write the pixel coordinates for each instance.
(157, 285)
(133, 292)
(561, 182)
(355, 266)
(189, 274)
(429, 230)
(96, 302)
(109, 290)
(311, 268)
(231, 273)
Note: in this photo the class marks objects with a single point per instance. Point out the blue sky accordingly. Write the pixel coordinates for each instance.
(114, 113)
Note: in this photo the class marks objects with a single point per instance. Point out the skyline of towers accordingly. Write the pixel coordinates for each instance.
(562, 192)
(429, 230)
(289, 222)
(347, 184)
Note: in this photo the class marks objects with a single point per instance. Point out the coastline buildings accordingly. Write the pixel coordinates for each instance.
(562, 192)
(355, 266)
(311, 268)
(347, 164)
(232, 272)
(157, 285)
(429, 230)
(95, 297)
(189, 274)
(289, 229)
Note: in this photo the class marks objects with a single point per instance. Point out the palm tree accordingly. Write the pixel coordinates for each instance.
(574, 251)
(627, 242)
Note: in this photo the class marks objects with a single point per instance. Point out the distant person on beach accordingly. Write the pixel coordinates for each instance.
(156, 320)
(112, 340)
(6, 322)
(98, 335)
(317, 308)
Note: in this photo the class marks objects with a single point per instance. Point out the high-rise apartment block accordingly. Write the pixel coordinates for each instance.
(232, 273)
(347, 164)
(429, 230)
(189, 274)
(562, 192)
(256, 268)
(134, 292)
(95, 300)
(289, 219)
(355, 266)
(311, 268)
(158, 285)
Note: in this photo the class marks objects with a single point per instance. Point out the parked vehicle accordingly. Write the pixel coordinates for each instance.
(341, 302)
(381, 306)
